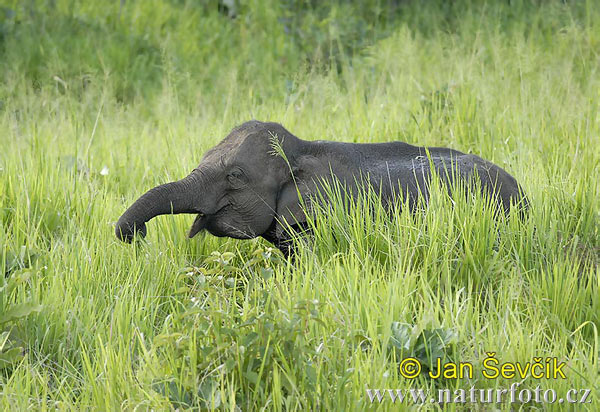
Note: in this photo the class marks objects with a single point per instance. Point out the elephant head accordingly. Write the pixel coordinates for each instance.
(241, 189)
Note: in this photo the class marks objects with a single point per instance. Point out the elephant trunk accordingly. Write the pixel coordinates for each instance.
(170, 198)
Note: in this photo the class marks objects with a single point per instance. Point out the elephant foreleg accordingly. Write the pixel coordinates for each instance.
(286, 243)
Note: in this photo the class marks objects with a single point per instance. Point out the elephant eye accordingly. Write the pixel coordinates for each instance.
(237, 178)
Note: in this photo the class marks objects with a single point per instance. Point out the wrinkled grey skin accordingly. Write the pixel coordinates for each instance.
(241, 189)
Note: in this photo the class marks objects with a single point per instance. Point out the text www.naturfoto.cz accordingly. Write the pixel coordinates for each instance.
(473, 395)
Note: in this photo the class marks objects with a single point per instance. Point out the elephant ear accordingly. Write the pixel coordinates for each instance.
(297, 194)
(294, 198)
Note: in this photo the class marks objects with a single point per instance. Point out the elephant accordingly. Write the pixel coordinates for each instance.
(243, 188)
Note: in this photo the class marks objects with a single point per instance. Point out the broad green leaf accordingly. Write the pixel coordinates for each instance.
(10, 357)
(19, 311)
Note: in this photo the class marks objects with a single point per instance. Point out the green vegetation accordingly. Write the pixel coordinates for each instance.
(100, 101)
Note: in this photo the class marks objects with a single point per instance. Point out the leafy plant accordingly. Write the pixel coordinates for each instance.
(426, 345)
(10, 352)
(246, 351)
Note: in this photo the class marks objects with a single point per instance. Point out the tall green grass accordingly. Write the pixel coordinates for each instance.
(99, 104)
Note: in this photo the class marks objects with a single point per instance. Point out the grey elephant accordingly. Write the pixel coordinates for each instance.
(244, 189)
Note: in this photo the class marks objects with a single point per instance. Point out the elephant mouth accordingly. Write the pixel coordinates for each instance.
(198, 225)
(202, 220)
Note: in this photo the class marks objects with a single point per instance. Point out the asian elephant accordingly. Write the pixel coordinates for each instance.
(244, 189)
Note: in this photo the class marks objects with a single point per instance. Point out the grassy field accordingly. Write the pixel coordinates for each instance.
(100, 101)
